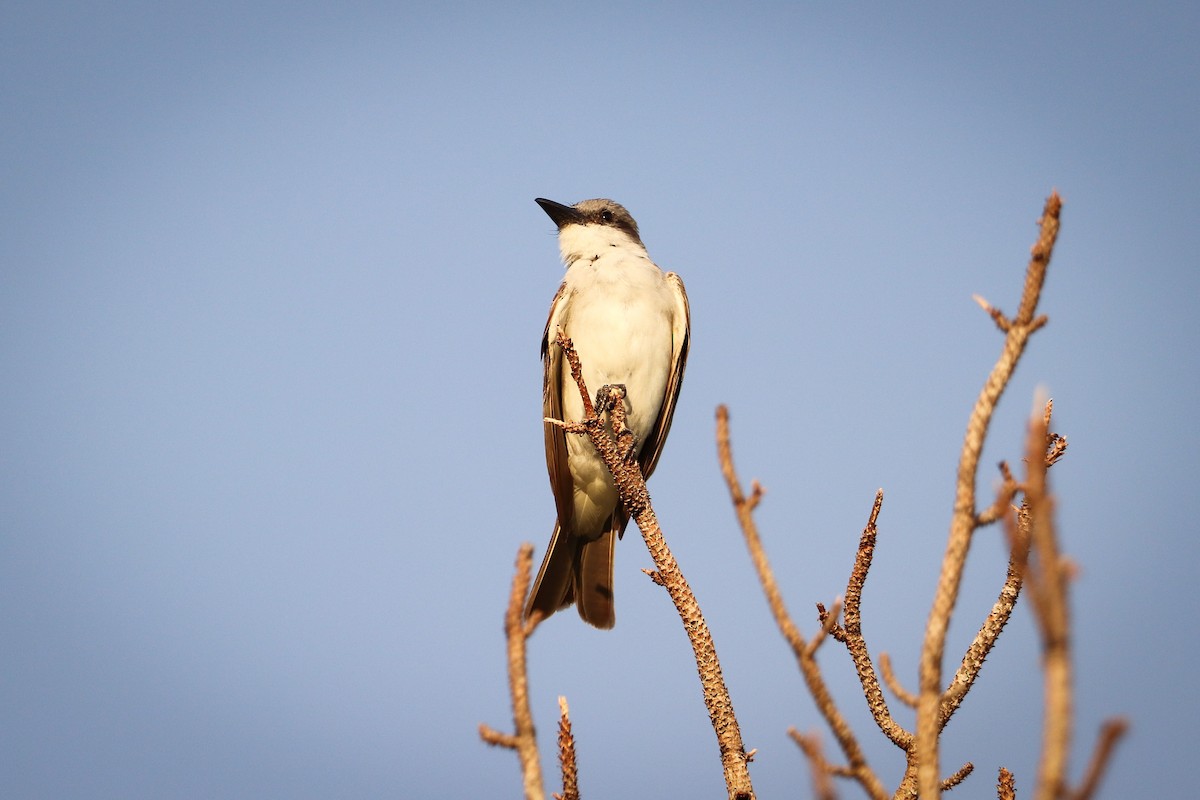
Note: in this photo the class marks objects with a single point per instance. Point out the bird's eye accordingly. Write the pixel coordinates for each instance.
(606, 215)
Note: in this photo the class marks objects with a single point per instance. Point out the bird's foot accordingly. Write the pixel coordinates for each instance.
(609, 395)
(627, 445)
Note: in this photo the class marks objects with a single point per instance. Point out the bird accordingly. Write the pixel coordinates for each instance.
(631, 326)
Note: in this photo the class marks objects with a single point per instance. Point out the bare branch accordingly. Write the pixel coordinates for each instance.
(1048, 578)
(963, 522)
(856, 644)
(985, 639)
(818, 767)
(828, 619)
(494, 737)
(566, 754)
(828, 626)
(889, 676)
(1110, 734)
(996, 314)
(1006, 786)
(631, 485)
(858, 767)
(1004, 499)
(743, 506)
(524, 741)
(958, 777)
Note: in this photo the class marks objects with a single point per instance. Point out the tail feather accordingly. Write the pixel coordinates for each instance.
(579, 572)
(553, 588)
(594, 581)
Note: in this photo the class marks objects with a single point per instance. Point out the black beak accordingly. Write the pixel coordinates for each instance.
(562, 215)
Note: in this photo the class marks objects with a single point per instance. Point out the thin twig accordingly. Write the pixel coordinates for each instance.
(985, 640)
(828, 626)
(828, 619)
(818, 767)
(958, 777)
(1006, 786)
(889, 676)
(857, 767)
(1048, 578)
(1001, 612)
(963, 523)
(856, 644)
(1110, 734)
(566, 754)
(1004, 499)
(516, 632)
(631, 485)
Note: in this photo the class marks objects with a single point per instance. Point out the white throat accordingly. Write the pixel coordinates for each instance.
(577, 242)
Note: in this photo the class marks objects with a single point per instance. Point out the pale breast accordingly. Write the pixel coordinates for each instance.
(620, 322)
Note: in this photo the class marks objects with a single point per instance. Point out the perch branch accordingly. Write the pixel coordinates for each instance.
(636, 501)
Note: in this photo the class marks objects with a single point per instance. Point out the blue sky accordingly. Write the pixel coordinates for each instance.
(271, 287)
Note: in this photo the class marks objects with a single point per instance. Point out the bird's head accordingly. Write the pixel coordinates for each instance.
(590, 225)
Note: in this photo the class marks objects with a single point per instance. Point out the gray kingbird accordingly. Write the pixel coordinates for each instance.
(630, 324)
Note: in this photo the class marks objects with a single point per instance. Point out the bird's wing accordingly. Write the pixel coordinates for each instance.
(552, 407)
(681, 331)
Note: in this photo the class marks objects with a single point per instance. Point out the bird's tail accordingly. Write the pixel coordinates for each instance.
(579, 572)
(594, 581)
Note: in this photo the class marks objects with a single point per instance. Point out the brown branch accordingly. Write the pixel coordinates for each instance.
(1006, 786)
(958, 777)
(985, 639)
(857, 767)
(996, 314)
(627, 476)
(828, 618)
(889, 676)
(856, 644)
(516, 631)
(744, 506)
(1047, 575)
(989, 631)
(829, 627)
(820, 769)
(963, 522)
(1004, 499)
(566, 754)
(1110, 734)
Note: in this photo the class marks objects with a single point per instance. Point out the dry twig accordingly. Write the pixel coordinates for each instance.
(636, 500)
(1006, 787)
(1047, 573)
(889, 676)
(524, 740)
(1110, 733)
(820, 769)
(958, 777)
(566, 754)
(857, 767)
(931, 704)
(856, 644)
